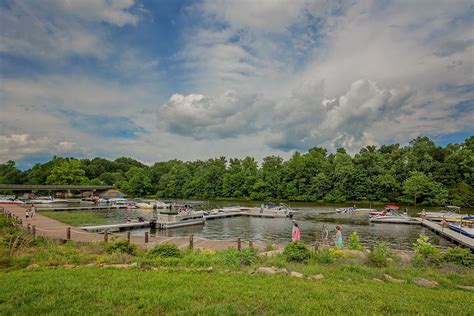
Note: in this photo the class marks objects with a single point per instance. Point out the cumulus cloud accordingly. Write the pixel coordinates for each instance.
(203, 117)
(16, 146)
(56, 28)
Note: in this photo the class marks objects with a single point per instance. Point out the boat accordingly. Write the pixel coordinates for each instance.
(47, 200)
(274, 209)
(88, 201)
(355, 210)
(11, 201)
(394, 218)
(448, 215)
(388, 209)
(467, 231)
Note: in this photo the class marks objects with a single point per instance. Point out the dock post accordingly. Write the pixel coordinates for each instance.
(28, 227)
(106, 236)
(34, 230)
(316, 247)
(21, 222)
(239, 244)
(68, 233)
(372, 248)
(146, 237)
(250, 244)
(128, 236)
(191, 242)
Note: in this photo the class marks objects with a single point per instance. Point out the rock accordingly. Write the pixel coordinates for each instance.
(118, 266)
(378, 280)
(90, 265)
(32, 266)
(296, 274)
(266, 270)
(466, 287)
(404, 257)
(392, 279)
(280, 270)
(271, 253)
(316, 277)
(425, 282)
(209, 270)
(354, 253)
(69, 266)
(133, 265)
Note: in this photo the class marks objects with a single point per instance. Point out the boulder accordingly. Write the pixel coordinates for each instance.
(280, 270)
(209, 270)
(389, 278)
(425, 282)
(270, 253)
(33, 266)
(266, 270)
(296, 274)
(466, 287)
(354, 253)
(404, 257)
(316, 277)
(69, 266)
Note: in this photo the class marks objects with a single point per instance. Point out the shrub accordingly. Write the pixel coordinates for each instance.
(354, 242)
(270, 247)
(324, 256)
(164, 251)
(233, 257)
(121, 246)
(425, 252)
(459, 256)
(296, 251)
(378, 257)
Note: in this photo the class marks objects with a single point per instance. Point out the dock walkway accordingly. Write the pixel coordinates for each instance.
(448, 233)
(52, 229)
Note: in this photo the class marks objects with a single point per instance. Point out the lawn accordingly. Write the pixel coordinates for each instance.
(79, 218)
(111, 291)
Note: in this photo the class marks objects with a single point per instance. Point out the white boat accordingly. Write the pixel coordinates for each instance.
(48, 200)
(11, 201)
(88, 201)
(465, 230)
(275, 210)
(449, 215)
(230, 209)
(393, 218)
(355, 210)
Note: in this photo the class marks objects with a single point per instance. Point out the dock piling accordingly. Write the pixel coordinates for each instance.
(68, 233)
(34, 230)
(146, 237)
(191, 242)
(106, 236)
(250, 244)
(239, 244)
(128, 236)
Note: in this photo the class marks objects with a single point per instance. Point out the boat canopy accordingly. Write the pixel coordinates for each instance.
(392, 207)
(452, 207)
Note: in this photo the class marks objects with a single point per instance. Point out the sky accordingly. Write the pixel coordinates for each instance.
(159, 79)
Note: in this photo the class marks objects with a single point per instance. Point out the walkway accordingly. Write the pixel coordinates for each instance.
(448, 233)
(53, 229)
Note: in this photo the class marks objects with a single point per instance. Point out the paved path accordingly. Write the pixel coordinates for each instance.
(53, 229)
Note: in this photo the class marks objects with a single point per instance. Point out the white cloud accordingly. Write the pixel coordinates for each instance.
(52, 29)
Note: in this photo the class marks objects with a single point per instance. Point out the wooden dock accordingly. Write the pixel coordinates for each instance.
(448, 233)
(115, 227)
(49, 228)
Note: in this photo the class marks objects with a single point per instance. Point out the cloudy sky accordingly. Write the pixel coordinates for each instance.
(158, 80)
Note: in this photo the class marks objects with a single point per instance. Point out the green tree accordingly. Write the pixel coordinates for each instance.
(67, 172)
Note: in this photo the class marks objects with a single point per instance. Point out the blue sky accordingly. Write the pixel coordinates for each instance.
(158, 80)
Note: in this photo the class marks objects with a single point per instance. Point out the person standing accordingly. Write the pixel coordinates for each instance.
(405, 212)
(325, 234)
(296, 232)
(338, 241)
(32, 211)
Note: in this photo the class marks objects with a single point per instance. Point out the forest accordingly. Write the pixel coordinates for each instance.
(420, 173)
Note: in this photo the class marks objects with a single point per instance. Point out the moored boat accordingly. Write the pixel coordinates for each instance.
(467, 231)
(11, 201)
(355, 210)
(388, 209)
(48, 200)
(394, 218)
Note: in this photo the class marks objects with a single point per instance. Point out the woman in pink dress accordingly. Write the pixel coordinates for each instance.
(296, 232)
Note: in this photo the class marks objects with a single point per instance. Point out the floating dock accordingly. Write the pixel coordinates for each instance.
(116, 227)
(83, 208)
(448, 233)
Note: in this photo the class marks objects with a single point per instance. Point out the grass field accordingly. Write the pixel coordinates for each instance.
(79, 218)
(111, 291)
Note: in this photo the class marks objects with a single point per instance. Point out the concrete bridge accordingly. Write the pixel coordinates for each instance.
(59, 188)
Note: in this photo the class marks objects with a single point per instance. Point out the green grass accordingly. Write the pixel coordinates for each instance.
(112, 291)
(79, 218)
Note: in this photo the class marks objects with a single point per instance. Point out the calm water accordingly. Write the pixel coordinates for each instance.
(310, 218)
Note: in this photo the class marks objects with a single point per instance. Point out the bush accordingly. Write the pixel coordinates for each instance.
(121, 246)
(324, 256)
(164, 251)
(425, 252)
(296, 251)
(354, 242)
(233, 257)
(459, 256)
(378, 257)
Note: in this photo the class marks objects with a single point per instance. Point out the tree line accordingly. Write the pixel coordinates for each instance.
(420, 173)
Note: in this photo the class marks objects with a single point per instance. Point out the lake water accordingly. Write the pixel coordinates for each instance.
(278, 230)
